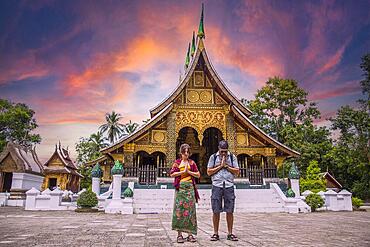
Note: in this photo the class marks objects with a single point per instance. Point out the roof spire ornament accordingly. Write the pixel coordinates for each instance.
(187, 60)
(201, 33)
(193, 45)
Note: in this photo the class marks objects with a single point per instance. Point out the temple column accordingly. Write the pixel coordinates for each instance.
(171, 138)
(230, 132)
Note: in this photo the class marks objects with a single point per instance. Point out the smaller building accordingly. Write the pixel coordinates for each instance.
(330, 182)
(60, 171)
(20, 170)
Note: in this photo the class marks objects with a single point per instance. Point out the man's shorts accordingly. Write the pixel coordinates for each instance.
(225, 195)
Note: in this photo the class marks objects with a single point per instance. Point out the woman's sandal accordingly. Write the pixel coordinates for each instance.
(191, 238)
(180, 239)
(232, 237)
(215, 237)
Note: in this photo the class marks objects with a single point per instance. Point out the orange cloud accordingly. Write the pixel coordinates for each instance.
(350, 87)
(334, 60)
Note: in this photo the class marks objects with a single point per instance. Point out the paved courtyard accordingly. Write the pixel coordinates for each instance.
(61, 228)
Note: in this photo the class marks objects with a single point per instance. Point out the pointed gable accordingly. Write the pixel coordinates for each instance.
(199, 64)
(20, 159)
(60, 159)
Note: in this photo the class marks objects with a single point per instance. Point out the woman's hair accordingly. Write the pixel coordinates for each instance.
(183, 147)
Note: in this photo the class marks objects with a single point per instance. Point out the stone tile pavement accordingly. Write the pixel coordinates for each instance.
(66, 228)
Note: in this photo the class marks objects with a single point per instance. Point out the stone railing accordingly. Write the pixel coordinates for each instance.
(50, 200)
(334, 201)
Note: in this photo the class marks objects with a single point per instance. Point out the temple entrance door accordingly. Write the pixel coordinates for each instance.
(255, 171)
(7, 181)
(147, 168)
(52, 183)
(211, 138)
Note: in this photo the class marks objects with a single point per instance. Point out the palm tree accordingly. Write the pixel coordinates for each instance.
(98, 140)
(112, 127)
(130, 127)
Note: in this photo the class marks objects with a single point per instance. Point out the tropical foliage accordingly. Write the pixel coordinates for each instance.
(113, 128)
(313, 180)
(16, 124)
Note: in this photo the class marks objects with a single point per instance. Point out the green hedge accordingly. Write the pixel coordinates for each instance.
(357, 202)
(87, 199)
(314, 201)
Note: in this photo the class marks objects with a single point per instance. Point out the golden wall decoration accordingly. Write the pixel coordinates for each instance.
(241, 139)
(192, 96)
(199, 96)
(253, 151)
(198, 79)
(158, 136)
(151, 148)
(129, 147)
(201, 119)
(171, 138)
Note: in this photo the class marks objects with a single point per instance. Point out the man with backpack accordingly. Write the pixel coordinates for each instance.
(223, 167)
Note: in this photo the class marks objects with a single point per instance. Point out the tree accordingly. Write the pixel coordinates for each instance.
(350, 159)
(88, 149)
(313, 180)
(112, 126)
(130, 127)
(280, 103)
(16, 124)
(282, 110)
(99, 140)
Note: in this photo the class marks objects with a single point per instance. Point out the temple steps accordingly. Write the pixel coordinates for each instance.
(247, 200)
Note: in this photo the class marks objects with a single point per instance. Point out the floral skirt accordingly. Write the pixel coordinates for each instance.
(184, 218)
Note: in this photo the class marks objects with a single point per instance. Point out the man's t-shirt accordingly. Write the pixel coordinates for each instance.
(223, 175)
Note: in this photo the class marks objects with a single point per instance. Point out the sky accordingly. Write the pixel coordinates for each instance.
(74, 61)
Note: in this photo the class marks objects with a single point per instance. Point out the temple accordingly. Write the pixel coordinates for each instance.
(60, 171)
(200, 111)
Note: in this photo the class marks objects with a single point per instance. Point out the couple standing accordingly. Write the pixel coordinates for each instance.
(222, 167)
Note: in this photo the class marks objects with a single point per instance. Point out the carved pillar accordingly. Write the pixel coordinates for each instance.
(230, 128)
(128, 156)
(129, 159)
(171, 138)
(271, 161)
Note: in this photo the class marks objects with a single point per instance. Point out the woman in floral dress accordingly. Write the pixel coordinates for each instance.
(184, 218)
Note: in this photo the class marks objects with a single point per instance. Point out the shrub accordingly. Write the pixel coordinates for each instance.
(357, 202)
(314, 201)
(313, 181)
(87, 199)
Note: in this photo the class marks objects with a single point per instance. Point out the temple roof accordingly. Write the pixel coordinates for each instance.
(200, 51)
(63, 155)
(26, 160)
(331, 178)
(240, 115)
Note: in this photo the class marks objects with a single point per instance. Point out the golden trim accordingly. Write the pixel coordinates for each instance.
(253, 150)
(151, 148)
